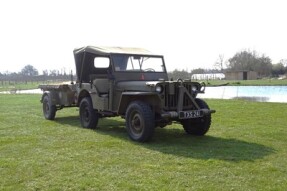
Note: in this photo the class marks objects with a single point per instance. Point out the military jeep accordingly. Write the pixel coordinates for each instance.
(131, 83)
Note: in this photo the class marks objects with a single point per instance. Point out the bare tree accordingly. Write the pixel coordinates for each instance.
(45, 72)
(219, 63)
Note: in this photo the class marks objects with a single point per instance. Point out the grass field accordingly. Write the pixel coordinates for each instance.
(5, 86)
(245, 149)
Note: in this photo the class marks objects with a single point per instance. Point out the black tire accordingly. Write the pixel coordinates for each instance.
(88, 116)
(198, 126)
(140, 121)
(49, 110)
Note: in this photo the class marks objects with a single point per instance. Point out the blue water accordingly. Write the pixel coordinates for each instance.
(255, 93)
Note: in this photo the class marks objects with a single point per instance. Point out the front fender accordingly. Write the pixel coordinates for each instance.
(151, 98)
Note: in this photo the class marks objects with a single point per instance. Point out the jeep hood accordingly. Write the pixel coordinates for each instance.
(137, 85)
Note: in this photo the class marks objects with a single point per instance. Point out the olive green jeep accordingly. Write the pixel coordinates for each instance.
(131, 83)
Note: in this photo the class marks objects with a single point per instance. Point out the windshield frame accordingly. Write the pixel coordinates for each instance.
(139, 70)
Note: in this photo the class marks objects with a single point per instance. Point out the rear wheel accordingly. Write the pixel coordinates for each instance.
(49, 110)
(140, 121)
(88, 116)
(198, 126)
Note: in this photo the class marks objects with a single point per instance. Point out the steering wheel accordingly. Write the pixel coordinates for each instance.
(149, 70)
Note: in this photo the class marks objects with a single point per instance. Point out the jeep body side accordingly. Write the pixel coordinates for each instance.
(131, 83)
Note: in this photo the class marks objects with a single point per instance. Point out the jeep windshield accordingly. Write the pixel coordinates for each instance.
(134, 63)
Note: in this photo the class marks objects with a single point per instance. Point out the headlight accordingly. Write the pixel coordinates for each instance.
(194, 88)
(158, 89)
(202, 89)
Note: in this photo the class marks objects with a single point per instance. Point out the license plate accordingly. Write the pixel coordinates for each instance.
(190, 114)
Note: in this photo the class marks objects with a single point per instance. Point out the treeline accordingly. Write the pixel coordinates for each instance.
(242, 61)
(31, 74)
(252, 61)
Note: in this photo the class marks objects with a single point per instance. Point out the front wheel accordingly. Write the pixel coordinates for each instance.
(88, 116)
(49, 110)
(198, 126)
(140, 121)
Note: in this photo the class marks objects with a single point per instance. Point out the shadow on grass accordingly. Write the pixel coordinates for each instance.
(177, 142)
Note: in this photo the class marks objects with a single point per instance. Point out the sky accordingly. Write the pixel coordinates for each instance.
(189, 33)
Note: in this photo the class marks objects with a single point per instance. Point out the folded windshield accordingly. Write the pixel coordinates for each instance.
(138, 63)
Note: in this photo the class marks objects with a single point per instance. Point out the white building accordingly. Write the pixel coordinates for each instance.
(209, 76)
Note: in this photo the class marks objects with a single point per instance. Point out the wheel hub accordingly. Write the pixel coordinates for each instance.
(47, 107)
(136, 123)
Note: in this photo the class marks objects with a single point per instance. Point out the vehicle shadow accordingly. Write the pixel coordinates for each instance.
(207, 147)
(177, 142)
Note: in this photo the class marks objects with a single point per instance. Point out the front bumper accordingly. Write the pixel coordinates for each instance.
(187, 114)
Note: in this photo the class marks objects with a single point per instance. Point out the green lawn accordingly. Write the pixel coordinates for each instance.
(6, 86)
(245, 149)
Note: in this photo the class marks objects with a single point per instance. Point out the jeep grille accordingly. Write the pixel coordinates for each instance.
(171, 92)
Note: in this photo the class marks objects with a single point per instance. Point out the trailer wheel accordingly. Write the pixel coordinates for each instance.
(88, 116)
(198, 126)
(140, 121)
(49, 110)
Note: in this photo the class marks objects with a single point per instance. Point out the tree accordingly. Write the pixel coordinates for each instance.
(29, 70)
(263, 66)
(251, 61)
(284, 63)
(176, 74)
(198, 71)
(45, 72)
(219, 63)
(242, 61)
(278, 69)
(53, 73)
